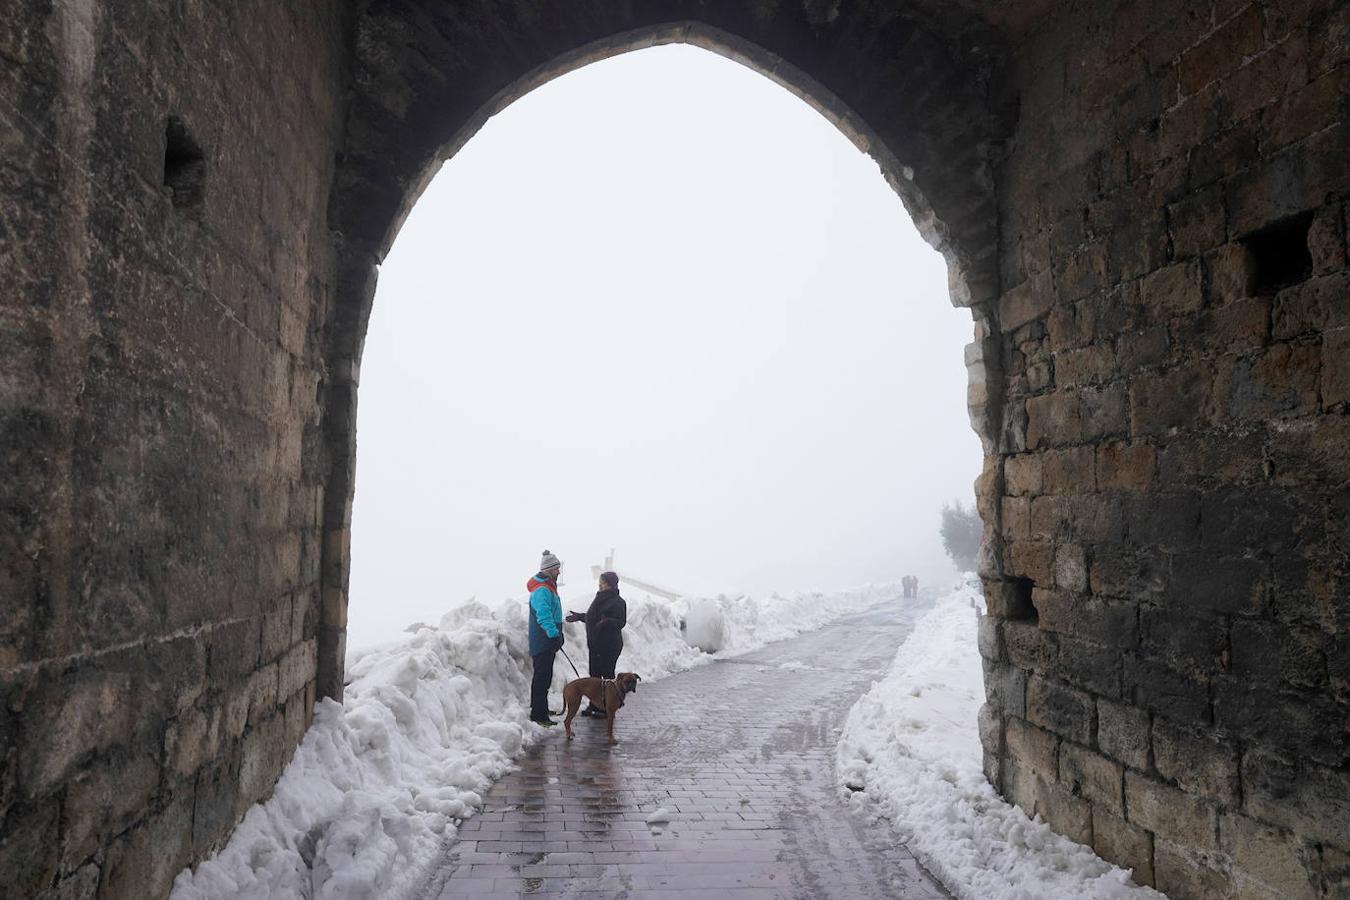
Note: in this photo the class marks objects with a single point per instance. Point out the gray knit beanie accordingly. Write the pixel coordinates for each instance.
(548, 561)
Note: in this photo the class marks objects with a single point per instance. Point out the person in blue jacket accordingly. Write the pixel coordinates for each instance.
(546, 636)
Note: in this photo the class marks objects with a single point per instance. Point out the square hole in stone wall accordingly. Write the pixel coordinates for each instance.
(1020, 607)
(1279, 255)
(184, 165)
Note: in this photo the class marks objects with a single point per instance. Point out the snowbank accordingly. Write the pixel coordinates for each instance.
(380, 781)
(912, 745)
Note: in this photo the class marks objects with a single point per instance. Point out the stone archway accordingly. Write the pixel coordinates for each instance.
(1145, 203)
(403, 126)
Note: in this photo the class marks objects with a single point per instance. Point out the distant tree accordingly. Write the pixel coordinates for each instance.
(961, 535)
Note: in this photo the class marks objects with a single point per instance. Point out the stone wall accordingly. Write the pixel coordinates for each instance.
(1168, 664)
(1142, 202)
(166, 271)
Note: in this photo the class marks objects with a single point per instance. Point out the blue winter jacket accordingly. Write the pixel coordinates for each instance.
(545, 614)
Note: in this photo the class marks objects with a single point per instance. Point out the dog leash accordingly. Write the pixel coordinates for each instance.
(569, 661)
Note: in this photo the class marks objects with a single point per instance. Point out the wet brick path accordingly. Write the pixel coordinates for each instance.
(741, 755)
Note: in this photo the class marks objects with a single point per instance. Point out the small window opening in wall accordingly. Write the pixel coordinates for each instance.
(1020, 607)
(184, 165)
(1279, 254)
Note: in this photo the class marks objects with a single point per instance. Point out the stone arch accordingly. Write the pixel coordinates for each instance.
(425, 84)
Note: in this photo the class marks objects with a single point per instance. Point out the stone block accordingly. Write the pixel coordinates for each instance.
(1152, 684)
(1032, 749)
(1030, 559)
(1053, 420)
(988, 640)
(1301, 112)
(231, 650)
(1291, 182)
(1024, 303)
(296, 669)
(1070, 325)
(1022, 474)
(192, 740)
(176, 673)
(1081, 271)
(1278, 382)
(1123, 732)
(1071, 568)
(1050, 520)
(1171, 291)
(1196, 223)
(30, 847)
(264, 754)
(1016, 517)
(990, 724)
(1088, 665)
(1060, 708)
(1169, 401)
(1207, 581)
(1067, 471)
(1271, 653)
(1293, 720)
(1310, 800)
(1183, 873)
(217, 793)
(1231, 271)
(1122, 466)
(1090, 775)
(71, 716)
(1223, 50)
(1326, 240)
(1268, 860)
(1169, 813)
(1311, 308)
(1335, 386)
(1238, 326)
(1168, 520)
(1028, 647)
(79, 885)
(105, 799)
(1039, 796)
(1202, 761)
(1104, 411)
(1185, 641)
(275, 627)
(1123, 844)
(1141, 348)
(1084, 365)
(1005, 687)
(144, 861)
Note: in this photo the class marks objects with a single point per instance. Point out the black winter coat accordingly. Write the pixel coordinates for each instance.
(605, 620)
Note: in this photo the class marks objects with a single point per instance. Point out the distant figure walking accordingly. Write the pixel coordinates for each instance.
(604, 620)
(910, 586)
(546, 637)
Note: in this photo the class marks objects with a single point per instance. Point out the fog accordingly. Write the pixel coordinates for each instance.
(661, 305)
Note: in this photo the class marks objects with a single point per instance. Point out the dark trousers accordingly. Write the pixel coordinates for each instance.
(543, 677)
(602, 662)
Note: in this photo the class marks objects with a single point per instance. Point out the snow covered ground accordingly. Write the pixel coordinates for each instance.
(380, 781)
(912, 744)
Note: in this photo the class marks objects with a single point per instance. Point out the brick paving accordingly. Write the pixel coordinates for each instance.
(741, 754)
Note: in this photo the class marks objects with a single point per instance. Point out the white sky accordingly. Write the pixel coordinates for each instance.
(658, 304)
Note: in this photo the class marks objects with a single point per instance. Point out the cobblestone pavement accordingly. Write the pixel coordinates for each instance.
(741, 755)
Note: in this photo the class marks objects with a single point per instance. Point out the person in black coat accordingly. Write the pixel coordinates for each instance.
(604, 631)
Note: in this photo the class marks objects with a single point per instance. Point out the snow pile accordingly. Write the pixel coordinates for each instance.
(427, 724)
(910, 752)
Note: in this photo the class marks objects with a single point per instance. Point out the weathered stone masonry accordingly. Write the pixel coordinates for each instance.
(1141, 202)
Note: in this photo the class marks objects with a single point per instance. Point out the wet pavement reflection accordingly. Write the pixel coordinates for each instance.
(740, 757)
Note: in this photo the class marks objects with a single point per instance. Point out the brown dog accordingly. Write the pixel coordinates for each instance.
(607, 693)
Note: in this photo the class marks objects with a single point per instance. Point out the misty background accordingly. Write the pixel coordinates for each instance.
(658, 304)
